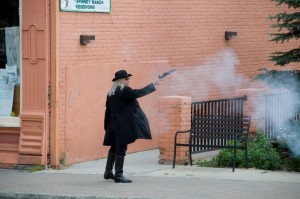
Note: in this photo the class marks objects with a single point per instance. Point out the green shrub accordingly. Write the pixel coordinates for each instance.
(261, 155)
(225, 157)
(291, 164)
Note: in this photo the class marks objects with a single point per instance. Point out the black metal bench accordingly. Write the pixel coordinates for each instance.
(214, 132)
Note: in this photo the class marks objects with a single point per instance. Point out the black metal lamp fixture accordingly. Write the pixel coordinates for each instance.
(229, 34)
(84, 39)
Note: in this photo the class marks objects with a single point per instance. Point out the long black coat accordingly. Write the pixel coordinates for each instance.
(124, 120)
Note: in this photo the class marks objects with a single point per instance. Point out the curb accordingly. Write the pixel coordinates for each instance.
(45, 196)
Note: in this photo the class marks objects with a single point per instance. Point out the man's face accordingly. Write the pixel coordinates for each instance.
(125, 81)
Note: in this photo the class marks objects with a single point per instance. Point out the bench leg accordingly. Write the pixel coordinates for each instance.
(174, 158)
(234, 155)
(234, 158)
(190, 153)
(246, 151)
(246, 156)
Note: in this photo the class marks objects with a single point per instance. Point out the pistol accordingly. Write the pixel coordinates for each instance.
(166, 73)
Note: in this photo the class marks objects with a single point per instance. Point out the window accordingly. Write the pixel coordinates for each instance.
(9, 63)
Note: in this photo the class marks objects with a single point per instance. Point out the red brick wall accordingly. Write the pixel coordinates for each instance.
(147, 37)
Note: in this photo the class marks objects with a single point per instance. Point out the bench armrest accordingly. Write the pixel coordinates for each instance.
(177, 132)
(182, 131)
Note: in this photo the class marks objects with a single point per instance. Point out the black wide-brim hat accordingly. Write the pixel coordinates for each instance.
(121, 74)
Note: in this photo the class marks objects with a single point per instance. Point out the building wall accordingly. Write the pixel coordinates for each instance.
(147, 38)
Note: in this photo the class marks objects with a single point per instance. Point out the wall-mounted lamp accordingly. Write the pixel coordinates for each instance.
(229, 34)
(84, 39)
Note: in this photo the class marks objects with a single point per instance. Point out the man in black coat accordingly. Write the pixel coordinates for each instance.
(124, 122)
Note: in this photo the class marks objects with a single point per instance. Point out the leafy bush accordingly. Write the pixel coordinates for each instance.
(291, 164)
(225, 157)
(261, 155)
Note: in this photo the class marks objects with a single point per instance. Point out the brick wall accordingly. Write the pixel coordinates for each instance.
(174, 115)
(180, 34)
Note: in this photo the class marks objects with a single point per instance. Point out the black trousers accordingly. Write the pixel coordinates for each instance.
(118, 150)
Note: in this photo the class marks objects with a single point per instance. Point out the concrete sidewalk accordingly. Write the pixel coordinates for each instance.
(150, 180)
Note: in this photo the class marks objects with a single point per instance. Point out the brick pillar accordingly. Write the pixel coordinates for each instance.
(175, 115)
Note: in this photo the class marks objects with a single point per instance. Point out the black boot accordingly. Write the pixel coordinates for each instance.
(119, 178)
(109, 166)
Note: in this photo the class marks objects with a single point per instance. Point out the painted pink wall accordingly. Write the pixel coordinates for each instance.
(147, 38)
(85, 104)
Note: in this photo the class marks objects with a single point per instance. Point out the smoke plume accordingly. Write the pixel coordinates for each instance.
(218, 78)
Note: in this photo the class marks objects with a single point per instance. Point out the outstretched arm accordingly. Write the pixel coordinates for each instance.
(130, 93)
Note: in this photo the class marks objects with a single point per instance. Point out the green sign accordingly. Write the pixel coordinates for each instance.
(85, 5)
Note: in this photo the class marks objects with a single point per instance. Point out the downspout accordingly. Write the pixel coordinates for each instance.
(54, 123)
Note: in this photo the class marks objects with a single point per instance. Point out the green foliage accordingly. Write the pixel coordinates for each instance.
(225, 157)
(289, 80)
(261, 155)
(290, 24)
(36, 168)
(291, 164)
(290, 3)
(283, 58)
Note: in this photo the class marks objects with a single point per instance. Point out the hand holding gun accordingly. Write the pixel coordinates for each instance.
(165, 74)
(160, 77)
